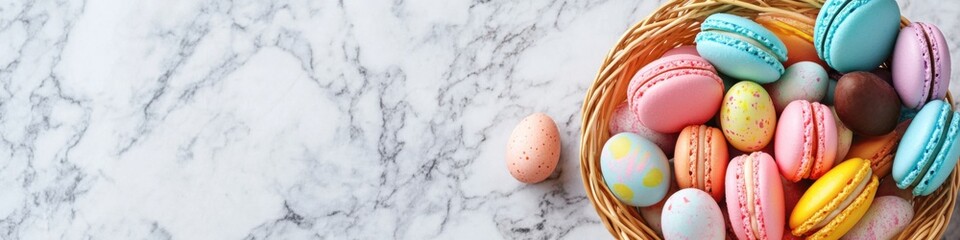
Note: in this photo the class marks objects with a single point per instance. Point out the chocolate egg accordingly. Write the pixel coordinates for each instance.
(866, 104)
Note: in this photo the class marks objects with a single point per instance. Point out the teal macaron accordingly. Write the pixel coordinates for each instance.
(856, 35)
(741, 48)
(928, 150)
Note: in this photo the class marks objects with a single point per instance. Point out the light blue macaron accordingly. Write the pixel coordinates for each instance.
(928, 150)
(856, 35)
(741, 48)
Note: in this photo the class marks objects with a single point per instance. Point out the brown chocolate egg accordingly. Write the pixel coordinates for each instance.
(866, 104)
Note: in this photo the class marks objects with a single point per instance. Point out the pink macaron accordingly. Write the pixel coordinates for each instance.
(920, 65)
(675, 91)
(755, 197)
(806, 140)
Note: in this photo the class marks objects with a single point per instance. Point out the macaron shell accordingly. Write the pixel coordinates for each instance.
(944, 162)
(839, 183)
(699, 96)
(680, 81)
(685, 49)
(887, 217)
(880, 150)
(692, 214)
(911, 67)
(738, 58)
(806, 140)
(769, 198)
(796, 35)
(693, 141)
(913, 72)
(624, 120)
(921, 135)
(849, 217)
(856, 35)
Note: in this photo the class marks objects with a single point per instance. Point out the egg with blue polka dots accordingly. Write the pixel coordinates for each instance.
(634, 169)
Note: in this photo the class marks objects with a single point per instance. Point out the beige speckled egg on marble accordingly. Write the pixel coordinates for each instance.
(533, 149)
(747, 116)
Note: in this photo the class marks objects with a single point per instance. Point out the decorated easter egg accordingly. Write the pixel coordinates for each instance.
(692, 214)
(534, 148)
(887, 217)
(748, 117)
(634, 169)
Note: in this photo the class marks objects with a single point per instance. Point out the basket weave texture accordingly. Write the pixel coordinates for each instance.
(673, 24)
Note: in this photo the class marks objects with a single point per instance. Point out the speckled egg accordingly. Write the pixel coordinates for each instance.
(747, 117)
(692, 214)
(887, 217)
(634, 169)
(801, 81)
(533, 149)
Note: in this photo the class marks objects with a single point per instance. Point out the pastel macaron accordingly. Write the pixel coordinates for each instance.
(806, 140)
(700, 159)
(796, 32)
(835, 202)
(880, 149)
(928, 150)
(677, 81)
(856, 35)
(801, 81)
(634, 169)
(866, 104)
(755, 197)
(624, 120)
(921, 64)
(748, 117)
(692, 214)
(741, 48)
(887, 217)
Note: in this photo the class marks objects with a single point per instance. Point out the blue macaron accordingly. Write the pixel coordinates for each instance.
(741, 48)
(928, 150)
(856, 35)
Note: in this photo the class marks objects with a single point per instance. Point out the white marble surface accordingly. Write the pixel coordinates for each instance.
(299, 120)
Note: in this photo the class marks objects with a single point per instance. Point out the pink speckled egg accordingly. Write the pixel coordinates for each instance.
(533, 149)
(887, 217)
(748, 117)
(692, 214)
(624, 120)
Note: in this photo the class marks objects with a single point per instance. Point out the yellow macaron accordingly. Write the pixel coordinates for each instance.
(835, 202)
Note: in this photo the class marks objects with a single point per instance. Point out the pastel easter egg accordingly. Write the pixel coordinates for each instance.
(801, 81)
(634, 169)
(692, 214)
(887, 217)
(748, 117)
(533, 149)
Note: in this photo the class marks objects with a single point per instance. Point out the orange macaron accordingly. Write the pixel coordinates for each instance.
(700, 159)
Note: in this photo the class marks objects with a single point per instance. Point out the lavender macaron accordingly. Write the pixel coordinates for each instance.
(921, 65)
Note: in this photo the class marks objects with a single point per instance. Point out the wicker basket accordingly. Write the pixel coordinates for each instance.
(673, 24)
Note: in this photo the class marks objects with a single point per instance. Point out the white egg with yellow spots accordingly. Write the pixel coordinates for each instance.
(635, 169)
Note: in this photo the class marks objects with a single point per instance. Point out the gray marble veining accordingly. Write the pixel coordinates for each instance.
(300, 119)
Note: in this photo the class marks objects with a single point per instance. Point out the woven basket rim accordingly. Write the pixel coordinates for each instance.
(671, 25)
